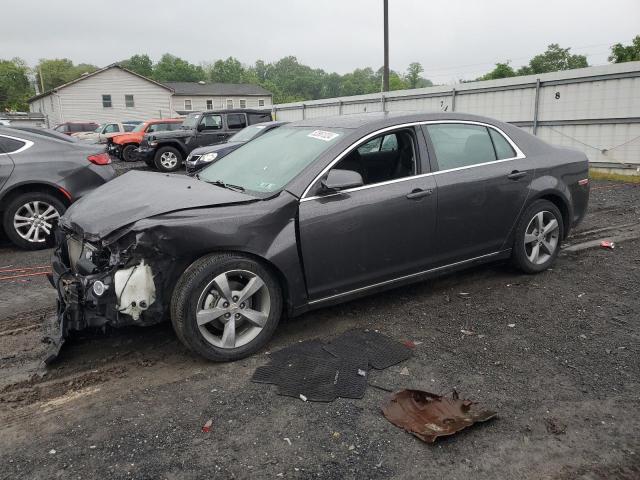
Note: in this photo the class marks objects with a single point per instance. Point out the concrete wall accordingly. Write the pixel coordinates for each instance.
(595, 109)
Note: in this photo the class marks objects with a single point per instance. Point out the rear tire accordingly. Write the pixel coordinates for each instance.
(226, 326)
(168, 159)
(30, 219)
(538, 236)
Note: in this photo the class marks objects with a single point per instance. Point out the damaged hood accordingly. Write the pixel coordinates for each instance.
(137, 195)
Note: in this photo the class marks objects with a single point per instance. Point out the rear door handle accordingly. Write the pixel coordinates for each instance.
(419, 193)
(515, 175)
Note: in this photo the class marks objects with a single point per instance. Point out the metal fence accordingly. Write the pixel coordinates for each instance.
(595, 109)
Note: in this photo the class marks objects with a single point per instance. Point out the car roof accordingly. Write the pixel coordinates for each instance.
(384, 119)
(165, 120)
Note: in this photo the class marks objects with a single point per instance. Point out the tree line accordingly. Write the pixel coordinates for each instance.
(287, 78)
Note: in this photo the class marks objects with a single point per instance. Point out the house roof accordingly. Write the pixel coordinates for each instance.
(216, 89)
(84, 77)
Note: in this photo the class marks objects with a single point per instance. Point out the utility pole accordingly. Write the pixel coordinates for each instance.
(385, 71)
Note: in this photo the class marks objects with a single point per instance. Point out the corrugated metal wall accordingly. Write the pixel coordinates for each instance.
(595, 109)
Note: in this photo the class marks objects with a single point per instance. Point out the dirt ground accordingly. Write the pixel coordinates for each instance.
(556, 354)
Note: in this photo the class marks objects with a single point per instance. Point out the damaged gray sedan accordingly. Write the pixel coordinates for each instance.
(311, 214)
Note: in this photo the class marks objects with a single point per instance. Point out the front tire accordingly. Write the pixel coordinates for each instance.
(538, 236)
(30, 219)
(168, 159)
(127, 152)
(226, 306)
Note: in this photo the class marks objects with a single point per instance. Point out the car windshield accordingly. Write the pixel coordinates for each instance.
(268, 163)
(190, 120)
(247, 133)
(100, 127)
(139, 128)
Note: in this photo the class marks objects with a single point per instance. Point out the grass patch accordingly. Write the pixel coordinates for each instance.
(615, 177)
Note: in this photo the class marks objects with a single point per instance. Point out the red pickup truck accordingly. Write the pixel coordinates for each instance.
(122, 146)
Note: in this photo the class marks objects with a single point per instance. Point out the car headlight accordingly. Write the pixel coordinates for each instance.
(208, 157)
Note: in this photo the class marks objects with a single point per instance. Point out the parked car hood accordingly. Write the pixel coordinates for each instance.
(137, 195)
(216, 148)
(123, 138)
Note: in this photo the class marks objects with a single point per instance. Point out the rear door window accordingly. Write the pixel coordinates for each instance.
(236, 121)
(10, 145)
(460, 145)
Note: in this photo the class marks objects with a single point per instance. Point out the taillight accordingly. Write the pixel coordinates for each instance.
(100, 159)
(583, 182)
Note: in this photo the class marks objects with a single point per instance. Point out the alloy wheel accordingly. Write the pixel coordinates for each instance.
(233, 309)
(541, 237)
(34, 220)
(169, 160)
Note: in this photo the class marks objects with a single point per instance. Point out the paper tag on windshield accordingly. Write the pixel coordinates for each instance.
(322, 135)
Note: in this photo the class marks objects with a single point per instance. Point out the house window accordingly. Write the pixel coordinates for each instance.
(230, 103)
(243, 103)
(261, 103)
(106, 101)
(128, 101)
(187, 104)
(209, 104)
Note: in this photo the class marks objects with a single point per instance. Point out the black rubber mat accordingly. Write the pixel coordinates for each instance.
(321, 373)
(321, 380)
(380, 351)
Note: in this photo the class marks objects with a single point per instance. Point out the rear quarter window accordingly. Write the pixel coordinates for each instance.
(10, 145)
(503, 148)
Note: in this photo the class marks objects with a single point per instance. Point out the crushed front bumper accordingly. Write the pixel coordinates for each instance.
(96, 288)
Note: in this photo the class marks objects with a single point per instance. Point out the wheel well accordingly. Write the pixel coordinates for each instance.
(280, 277)
(177, 146)
(35, 187)
(559, 202)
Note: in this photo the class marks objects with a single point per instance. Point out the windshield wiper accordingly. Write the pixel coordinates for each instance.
(229, 186)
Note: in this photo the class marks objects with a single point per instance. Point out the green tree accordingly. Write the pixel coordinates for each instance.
(227, 71)
(626, 53)
(502, 70)
(15, 87)
(51, 73)
(174, 69)
(140, 64)
(553, 59)
(413, 74)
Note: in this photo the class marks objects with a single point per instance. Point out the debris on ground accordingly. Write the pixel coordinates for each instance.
(511, 325)
(318, 372)
(288, 440)
(404, 371)
(608, 244)
(554, 426)
(206, 428)
(429, 416)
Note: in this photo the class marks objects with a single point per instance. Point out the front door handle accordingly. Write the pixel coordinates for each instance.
(419, 193)
(515, 175)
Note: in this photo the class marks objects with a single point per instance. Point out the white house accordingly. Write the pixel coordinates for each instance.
(114, 94)
(188, 96)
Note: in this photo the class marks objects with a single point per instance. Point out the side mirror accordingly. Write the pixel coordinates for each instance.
(341, 180)
(200, 127)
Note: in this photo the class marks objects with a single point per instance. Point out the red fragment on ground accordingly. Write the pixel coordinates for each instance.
(206, 428)
(607, 244)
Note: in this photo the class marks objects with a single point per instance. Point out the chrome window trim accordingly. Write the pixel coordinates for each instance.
(404, 277)
(353, 146)
(27, 144)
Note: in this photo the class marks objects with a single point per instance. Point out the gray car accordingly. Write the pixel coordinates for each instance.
(313, 213)
(40, 176)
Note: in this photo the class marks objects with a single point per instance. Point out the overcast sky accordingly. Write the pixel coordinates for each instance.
(452, 39)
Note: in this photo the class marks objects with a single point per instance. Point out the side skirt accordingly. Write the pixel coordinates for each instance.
(404, 280)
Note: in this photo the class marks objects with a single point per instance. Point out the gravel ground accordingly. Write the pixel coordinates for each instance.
(555, 354)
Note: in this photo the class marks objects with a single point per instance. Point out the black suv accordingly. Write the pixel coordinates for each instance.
(167, 150)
